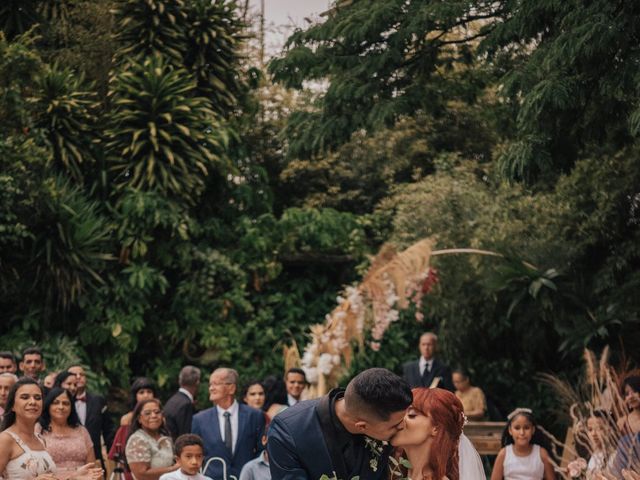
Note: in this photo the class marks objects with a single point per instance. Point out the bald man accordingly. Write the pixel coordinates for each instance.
(428, 371)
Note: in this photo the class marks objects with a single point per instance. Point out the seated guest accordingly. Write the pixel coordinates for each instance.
(275, 392)
(472, 398)
(8, 363)
(296, 381)
(68, 381)
(179, 409)
(142, 389)
(229, 430)
(630, 423)
(67, 441)
(189, 457)
(32, 364)
(149, 448)
(428, 371)
(253, 394)
(7, 380)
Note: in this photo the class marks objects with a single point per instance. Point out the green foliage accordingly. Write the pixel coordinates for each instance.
(17, 16)
(160, 136)
(382, 61)
(214, 35)
(71, 245)
(67, 118)
(147, 28)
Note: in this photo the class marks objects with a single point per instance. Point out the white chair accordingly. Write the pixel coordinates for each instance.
(224, 468)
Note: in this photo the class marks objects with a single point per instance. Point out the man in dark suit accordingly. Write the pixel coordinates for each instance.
(328, 435)
(229, 430)
(179, 409)
(428, 371)
(92, 411)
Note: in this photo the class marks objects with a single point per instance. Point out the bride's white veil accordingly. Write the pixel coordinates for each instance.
(469, 461)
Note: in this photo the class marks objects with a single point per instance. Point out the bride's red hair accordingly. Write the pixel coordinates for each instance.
(446, 413)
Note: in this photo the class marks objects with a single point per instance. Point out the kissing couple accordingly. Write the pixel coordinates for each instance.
(353, 432)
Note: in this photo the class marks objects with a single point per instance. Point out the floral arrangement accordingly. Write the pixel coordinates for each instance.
(391, 283)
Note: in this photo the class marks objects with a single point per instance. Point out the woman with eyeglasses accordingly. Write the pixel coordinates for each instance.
(142, 388)
(149, 448)
(67, 440)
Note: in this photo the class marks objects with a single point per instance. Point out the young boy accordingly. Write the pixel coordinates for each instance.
(189, 456)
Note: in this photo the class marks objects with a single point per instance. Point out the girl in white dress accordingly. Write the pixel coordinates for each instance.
(522, 457)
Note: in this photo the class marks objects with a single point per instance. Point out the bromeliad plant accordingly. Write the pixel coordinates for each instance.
(162, 137)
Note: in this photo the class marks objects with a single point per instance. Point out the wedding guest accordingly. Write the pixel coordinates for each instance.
(92, 413)
(472, 398)
(522, 457)
(142, 389)
(67, 440)
(7, 380)
(229, 430)
(600, 426)
(8, 363)
(253, 394)
(149, 448)
(296, 381)
(189, 457)
(179, 409)
(32, 363)
(630, 423)
(68, 381)
(23, 455)
(428, 371)
(49, 380)
(275, 392)
(258, 468)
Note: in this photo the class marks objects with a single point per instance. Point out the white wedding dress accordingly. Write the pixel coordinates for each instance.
(470, 465)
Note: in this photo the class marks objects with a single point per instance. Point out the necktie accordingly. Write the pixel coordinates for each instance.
(425, 375)
(228, 441)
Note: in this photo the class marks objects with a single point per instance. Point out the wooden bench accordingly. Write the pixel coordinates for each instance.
(485, 436)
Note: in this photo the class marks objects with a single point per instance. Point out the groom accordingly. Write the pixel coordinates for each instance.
(327, 436)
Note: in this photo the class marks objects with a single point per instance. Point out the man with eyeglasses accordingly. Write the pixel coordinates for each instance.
(229, 430)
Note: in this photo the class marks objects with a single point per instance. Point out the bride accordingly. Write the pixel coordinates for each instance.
(432, 438)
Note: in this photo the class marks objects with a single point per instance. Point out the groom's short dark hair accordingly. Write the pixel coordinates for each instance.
(376, 393)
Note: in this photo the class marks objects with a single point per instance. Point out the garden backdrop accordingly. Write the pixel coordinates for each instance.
(166, 197)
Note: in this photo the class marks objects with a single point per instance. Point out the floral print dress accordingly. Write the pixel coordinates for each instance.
(30, 464)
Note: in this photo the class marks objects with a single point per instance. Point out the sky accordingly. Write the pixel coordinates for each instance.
(282, 15)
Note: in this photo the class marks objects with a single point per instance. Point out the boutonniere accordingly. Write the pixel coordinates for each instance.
(376, 447)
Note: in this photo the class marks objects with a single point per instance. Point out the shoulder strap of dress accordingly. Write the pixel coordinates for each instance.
(19, 441)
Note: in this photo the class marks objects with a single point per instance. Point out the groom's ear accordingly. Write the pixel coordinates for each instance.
(361, 425)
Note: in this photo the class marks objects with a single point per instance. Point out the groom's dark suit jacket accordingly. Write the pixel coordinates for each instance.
(411, 374)
(304, 443)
